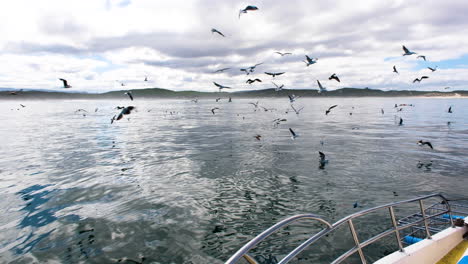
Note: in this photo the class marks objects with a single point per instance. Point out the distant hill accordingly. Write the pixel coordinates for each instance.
(165, 93)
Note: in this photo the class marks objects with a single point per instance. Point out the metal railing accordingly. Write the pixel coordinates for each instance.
(397, 226)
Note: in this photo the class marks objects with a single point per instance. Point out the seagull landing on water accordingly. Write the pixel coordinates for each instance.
(395, 70)
(329, 109)
(221, 86)
(293, 134)
(420, 79)
(129, 95)
(214, 30)
(432, 69)
(422, 57)
(334, 77)
(407, 51)
(278, 88)
(422, 143)
(65, 83)
(274, 73)
(310, 61)
(321, 88)
(247, 8)
(323, 161)
(282, 54)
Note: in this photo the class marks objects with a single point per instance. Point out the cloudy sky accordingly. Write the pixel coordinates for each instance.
(94, 43)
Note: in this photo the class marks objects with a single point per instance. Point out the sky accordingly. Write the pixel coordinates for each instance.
(98, 44)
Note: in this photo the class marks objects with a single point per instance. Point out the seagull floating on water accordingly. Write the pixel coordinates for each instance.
(310, 61)
(422, 143)
(323, 161)
(334, 77)
(247, 8)
(329, 109)
(214, 30)
(221, 86)
(65, 83)
(274, 73)
(407, 51)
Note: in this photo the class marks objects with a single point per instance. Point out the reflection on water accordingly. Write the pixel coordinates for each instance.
(174, 183)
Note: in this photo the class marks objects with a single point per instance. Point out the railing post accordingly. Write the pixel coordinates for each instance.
(423, 213)
(356, 241)
(395, 226)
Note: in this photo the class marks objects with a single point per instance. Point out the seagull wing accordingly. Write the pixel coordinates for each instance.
(65, 83)
(424, 77)
(320, 85)
(292, 132)
(218, 85)
(322, 156)
(331, 107)
(405, 49)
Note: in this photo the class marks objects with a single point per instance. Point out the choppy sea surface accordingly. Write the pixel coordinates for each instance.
(174, 183)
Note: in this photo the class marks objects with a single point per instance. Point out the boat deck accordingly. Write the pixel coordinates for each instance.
(455, 254)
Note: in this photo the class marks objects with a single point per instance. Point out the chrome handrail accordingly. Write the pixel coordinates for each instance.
(348, 219)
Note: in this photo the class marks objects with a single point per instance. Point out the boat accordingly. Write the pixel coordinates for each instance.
(429, 234)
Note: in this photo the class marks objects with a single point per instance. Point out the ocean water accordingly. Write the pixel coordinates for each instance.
(174, 183)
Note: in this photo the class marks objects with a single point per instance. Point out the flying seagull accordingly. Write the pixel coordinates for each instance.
(213, 110)
(250, 81)
(401, 122)
(258, 137)
(321, 88)
(273, 73)
(221, 70)
(432, 69)
(395, 70)
(221, 86)
(22, 105)
(65, 83)
(254, 104)
(448, 87)
(250, 69)
(217, 99)
(310, 61)
(382, 111)
(129, 95)
(450, 110)
(293, 134)
(296, 110)
(278, 88)
(146, 78)
(126, 111)
(422, 57)
(420, 79)
(329, 109)
(334, 77)
(282, 54)
(292, 98)
(247, 8)
(214, 30)
(323, 161)
(407, 51)
(422, 143)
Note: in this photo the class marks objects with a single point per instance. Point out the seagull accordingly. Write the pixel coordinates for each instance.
(401, 122)
(213, 110)
(395, 193)
(273, 73)
(247, 8)
(230, 100)
(382, 111)
(450, 109)
(129, 95)
(195, 100)
(126, 111)
(258, 137)
(217, 99)
(295, 110)
(422, 57)
(221, 70)
(81, 110)
(221, 86)
(321, 88)
(65, 83)
(22, 105)
(282, 54)
(310, 61)
(447, 88)
(422, 143)
(323, 161)
(214, 30)
(254, 104)
(433, 69)
(395, 70)
(277, 121)
(250, 81)
(250, 69)
(420, 79)
(293, 134)
(292, 98)
(329, 109)
(278, 88)
(246, 71)
(407, 51)
(146, 78)
(334, 77)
